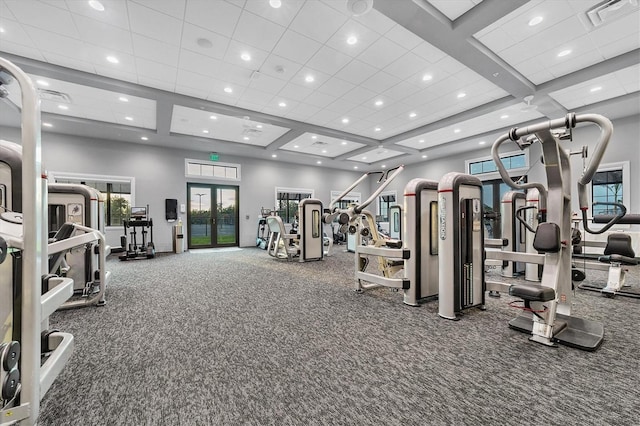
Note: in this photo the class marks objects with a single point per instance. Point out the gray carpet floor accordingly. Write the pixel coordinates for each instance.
(240, 338)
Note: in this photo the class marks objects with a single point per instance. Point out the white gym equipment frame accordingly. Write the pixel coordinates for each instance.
(30, 239)
(308, 244)
(549, 318)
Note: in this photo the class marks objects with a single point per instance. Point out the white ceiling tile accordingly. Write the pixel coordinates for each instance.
(317, 21)
(407, 65)
(450, 65)
(296, 47)
(359, 95)
(329, 118)
(328, 60)
(237, 49)
(114, 13)
(192, 33)
(268, 84)
(150, 23)
(257, 31)
(154, 50)
(234, 74)
(428, 52)
(13, 32)
(104, 35)
(361, 112)
(201, 64)
(319, 77)
(341, 106)
(239, 3)
(173, 8)
(192, 80)
(405, 38)
(156, 71)
(453, 9)
(156, 84)
(303, 111)
(295, 92)
(620, 46)
(576, 63)
(622, 28)
(72, 63)
(59, 44)
(320, 100)
(497, 40)
(44, 17)
(256, 97)
(320, 145)
(26, 51)
(364, 35)
(382, 52)
(189, 91)
(380, 82)
(356, 72)
(376, 21)
(336, 87)
(118, 74)
(217, 16)
(540, 77)
(273, 108)
(283, 15)
(375, 155)
(400, 91)
(282, 68)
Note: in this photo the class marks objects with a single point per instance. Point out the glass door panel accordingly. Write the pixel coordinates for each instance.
(226, 216)
(199, 217)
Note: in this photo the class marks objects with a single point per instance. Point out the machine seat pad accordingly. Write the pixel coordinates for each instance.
(547, 238)
(532, 293)
(619, 244)
(65, 231)
(617, 258)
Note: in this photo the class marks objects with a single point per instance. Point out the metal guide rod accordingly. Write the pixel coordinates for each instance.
(32, 211)
(353, 185)
(387, 180)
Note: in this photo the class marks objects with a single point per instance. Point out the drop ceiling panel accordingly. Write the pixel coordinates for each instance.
(43, 16)
(495, 120)
(217, 16)
(599, 89)
(319, 145)
(154, 50)
(153, 24)
(192, 33)
(564, 27)
(174, 8)
(317, 21)
(258, 32)
(91, 103)
(108, 36)
(454, 9)
(282, 16)
(115, 12)
(296, 47)
(382, 53)
(352, 28)
(375, 155)
(195, 122)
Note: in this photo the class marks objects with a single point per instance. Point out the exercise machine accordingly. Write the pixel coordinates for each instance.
(139, 219)
(262, 236)
(547, 307)
(31, 354)
(461, 242)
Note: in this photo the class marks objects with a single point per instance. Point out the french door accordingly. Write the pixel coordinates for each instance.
(212, 216)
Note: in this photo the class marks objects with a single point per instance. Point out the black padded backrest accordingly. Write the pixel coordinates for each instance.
(547, 239)
(619, 244)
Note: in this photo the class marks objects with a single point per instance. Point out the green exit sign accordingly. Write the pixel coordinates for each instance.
(214, 156)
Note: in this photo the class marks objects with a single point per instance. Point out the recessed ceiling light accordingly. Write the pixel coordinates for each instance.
(504, 116)
(258, 126)
(205, 131)
(421, 141)
(456, 130)
(377, 129)
(314, 137)
(355, 167)
(427, 77)
(319, 162)
(364, 158)
(595, 89)
(424, 156)
(344, 142)
(324, 151)
(352, 40)
(128, 118)
(43, 83)
(245, 57)
(63, 107)
(144, 138)
(246, 138)
(384, 166)
(461, 95)
(1, 30)
(123, 99)
(282, 104)
(482, 142)
(274, 155)
(296, 146)
(412, 115)
(345, 120)
(228, 89)
(204, 42)
(213, 117)
(535, 21)
(309, 78)
(95, 4)
(275, 3)
(47, 124)
(379, 102)
(112, 59)
(564, 53)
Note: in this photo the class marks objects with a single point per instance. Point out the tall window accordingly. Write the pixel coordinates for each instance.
(117, 192)
(385, 200)
(287, 201)
(607, 187)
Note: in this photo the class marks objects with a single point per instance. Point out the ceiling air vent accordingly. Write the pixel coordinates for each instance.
(52, 95)
(610, 10)
(319, 143)
(250, 131)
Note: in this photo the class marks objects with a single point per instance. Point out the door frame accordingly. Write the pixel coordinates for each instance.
(213, 188)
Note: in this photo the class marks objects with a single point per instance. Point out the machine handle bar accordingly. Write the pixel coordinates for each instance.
(396, 171)
(613, 221)
(522, 221)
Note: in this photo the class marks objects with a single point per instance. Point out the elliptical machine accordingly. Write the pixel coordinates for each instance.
(134, 251)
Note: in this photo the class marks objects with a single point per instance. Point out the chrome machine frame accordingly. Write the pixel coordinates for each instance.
(30, 239)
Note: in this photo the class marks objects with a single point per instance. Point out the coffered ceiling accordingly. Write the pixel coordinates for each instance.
(308, 82)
